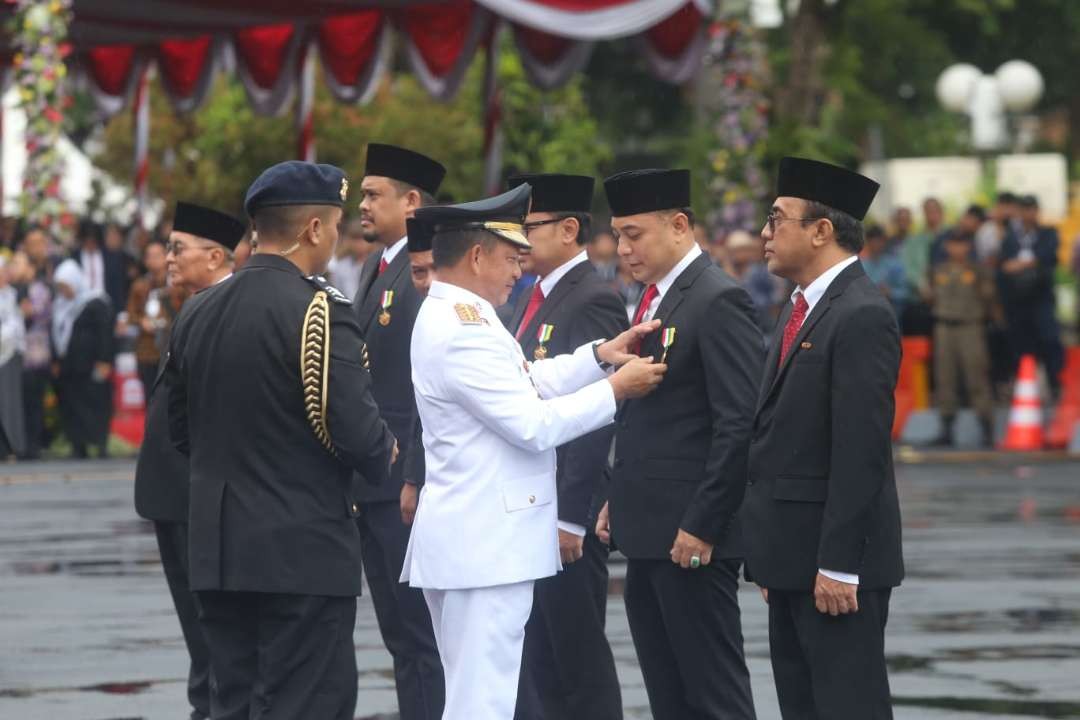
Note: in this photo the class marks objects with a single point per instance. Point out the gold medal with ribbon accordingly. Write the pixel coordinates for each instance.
(387, 301)
(543, 335)
(667, 339)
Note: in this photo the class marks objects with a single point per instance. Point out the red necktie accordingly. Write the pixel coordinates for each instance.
(643, 307)
(383, 265)
(794, 324)
(535, 301)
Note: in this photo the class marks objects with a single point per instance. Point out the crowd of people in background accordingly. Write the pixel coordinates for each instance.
(982, 289)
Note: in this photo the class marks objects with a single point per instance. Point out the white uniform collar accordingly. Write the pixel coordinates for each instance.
(549, 281)
(816, 290)
(388, 254)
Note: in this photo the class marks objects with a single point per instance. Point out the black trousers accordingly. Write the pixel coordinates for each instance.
(280, 657)
(829, 667)
(688, 637)
(567, 669)
(35, 382)
(172, 539)
(402, 613)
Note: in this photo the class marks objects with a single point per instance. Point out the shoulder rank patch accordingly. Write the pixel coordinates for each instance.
(332, 292)
(315, 366)
(468, 314)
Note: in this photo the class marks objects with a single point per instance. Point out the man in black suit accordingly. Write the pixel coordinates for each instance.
(199, 256)
(568, 670)
(105, 270)
(1028, 260)
(679, 468)
(270, 398)
(396, 182)
(821, 515)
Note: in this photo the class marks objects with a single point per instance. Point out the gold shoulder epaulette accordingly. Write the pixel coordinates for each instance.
(315, 366)
(468, 314)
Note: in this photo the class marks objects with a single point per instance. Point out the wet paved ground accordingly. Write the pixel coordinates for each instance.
(987, 624)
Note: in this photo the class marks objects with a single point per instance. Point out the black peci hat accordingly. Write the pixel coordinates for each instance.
(404, 165)
(207, 223)
(419, 234)
(553, 192)
(641, 191)
(831, 185)
(297, 183)
(502, 215)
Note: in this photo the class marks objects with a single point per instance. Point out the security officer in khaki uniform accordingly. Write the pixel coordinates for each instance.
(963, 299)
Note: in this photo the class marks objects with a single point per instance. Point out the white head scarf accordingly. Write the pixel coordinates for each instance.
(67, 311)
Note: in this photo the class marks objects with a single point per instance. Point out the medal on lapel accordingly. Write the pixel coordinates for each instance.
(543, 335)
(387, 301)
(667, 339)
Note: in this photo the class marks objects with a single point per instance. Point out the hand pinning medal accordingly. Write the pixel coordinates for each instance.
(543, 336)
(387, 301)
(667, 339)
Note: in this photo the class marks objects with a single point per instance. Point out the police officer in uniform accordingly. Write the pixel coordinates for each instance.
(568, 670)
(396, 183)
(486, 525)
(680, 457)
(270, 398)
(199, 256)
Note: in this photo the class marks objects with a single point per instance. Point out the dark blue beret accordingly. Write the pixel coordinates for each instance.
(297, 183)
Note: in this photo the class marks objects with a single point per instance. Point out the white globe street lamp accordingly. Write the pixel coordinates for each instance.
(1016, 87)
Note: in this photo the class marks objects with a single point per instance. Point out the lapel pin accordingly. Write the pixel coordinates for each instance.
(806, 345)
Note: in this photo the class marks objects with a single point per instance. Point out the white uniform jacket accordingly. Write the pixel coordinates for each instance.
(488, 512)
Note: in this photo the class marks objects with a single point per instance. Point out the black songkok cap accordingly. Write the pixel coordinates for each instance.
(1028, 201)
(207, 223)
(557, 193)
(502, 215)
(831, 185)
(419, 235)
(641, 191)
(404, 165)
(297, 183)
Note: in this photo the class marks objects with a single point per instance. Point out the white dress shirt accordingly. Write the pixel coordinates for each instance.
(665, 283)
(389, 253)
(813, 293)
(93, 267)
(547, 284)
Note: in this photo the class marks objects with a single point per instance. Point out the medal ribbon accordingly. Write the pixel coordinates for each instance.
(387, 299)
(544, 333)
(667, 339)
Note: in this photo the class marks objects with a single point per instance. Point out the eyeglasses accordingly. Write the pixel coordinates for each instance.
(772, 219)
(177, 248)
(529, 227)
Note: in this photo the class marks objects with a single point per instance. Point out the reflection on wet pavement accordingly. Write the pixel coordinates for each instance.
(986, 625)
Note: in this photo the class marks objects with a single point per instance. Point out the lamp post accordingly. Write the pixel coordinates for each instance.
(1014, 87)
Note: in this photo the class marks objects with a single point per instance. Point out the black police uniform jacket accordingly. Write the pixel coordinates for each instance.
(389, 350)
(270, 398)
(581, 308)
(821, 492)
(680, 452)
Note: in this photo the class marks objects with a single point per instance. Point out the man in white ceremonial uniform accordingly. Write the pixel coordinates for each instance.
(486, 524)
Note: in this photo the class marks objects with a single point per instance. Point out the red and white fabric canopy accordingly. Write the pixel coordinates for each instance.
(267, 43)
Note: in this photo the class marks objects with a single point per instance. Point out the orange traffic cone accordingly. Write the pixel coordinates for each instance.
(1025, 431)
(1067, 415)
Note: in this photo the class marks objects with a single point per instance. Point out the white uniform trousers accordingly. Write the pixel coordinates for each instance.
(480, 633)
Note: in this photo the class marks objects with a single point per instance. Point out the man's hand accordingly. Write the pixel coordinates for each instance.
(1011, 267)
(603, 525)
(394, 453)
(617, 350)
(410, 494)
(101, 371)
(637, 378)
(571, 546)
(687, 546)
(764, 594)
(835, 597)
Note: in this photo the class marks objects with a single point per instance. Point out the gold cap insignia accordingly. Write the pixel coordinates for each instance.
(468, 314)
(344, 192)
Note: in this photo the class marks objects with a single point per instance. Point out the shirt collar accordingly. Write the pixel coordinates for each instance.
(665, 283)
(457, 294)
(816, 290)
(391, 252)
(549, 281)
